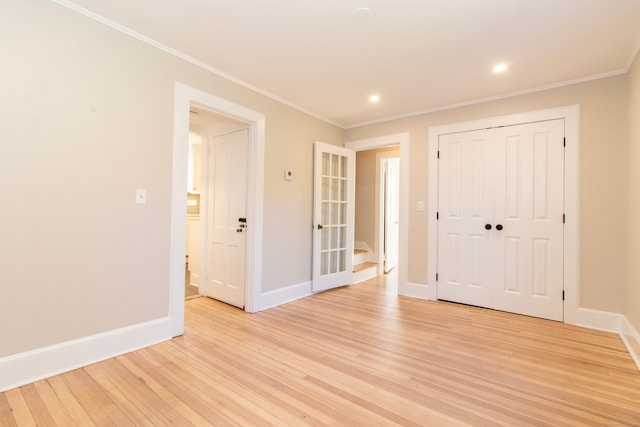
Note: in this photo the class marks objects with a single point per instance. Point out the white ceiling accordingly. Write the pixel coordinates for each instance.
(417, 55)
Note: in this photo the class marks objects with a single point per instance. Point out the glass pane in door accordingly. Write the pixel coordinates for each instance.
(334, 199)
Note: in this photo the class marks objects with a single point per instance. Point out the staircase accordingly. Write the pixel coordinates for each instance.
(363, 270)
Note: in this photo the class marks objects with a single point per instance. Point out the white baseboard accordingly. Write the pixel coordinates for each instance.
(415, 290)
(596, 319)
(194, 280)
(631, 339)
(282, 296)
(24, 368)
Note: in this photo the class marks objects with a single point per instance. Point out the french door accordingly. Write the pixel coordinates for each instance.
(333, 214)
(500, 226)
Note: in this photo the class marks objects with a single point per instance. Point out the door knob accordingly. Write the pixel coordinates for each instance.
(319, 226)
(487, 226)
(499, 227)
(239, 230)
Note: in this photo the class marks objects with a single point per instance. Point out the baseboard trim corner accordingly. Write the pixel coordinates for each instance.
(631, 339)
(281, 296)
(24, 368)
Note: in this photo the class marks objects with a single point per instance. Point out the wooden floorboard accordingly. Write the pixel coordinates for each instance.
(351, 356)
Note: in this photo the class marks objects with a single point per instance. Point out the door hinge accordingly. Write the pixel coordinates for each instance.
(562, 295)
(564, 218)
(564, 142)
(438, 153)
(437, 215)
(436, 277)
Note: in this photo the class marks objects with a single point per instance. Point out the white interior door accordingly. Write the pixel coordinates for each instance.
(528, 202)
(465, 206)
(391, 213)
(333, 215)
(226, 218)
(500, 227)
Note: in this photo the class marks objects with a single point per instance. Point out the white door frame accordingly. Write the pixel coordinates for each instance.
(184, 97)
(380, 205)
(571, 116)
(402, 140)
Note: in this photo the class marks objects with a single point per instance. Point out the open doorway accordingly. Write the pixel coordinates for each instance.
(185, 98)
(377, 212)
(205, 129)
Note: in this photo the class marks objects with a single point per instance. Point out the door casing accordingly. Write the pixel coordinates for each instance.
(571, 115)
(184, 97)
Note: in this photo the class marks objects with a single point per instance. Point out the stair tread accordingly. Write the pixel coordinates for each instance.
(363, 266)
(359, 251)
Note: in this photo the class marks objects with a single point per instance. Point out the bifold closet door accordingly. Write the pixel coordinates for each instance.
(500, 227)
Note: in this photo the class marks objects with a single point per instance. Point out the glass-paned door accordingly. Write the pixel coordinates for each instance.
(334, 187)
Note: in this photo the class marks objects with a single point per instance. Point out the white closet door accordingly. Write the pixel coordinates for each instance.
(500, 227)
(529, 194)
(465, 206)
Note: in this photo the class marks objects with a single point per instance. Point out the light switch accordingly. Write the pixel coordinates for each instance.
(288, 175)
(420, 205)
(141, 196)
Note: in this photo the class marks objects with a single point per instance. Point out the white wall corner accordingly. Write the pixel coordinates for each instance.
(282, 296)
(631, 339)
(415, 290)
(34, 365)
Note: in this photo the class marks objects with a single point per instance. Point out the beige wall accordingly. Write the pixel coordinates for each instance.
(86, 118)
(365, 209)
(603, 169)
(632, 297)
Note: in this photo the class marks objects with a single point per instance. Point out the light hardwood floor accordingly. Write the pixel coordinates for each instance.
(351, 356)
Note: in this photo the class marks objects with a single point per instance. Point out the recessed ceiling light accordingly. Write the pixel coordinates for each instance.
(361, 14)
(500, 68)
(374, 98)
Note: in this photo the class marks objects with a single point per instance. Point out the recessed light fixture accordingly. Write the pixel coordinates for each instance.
(374, 98)
(500, 68)
(361, 14)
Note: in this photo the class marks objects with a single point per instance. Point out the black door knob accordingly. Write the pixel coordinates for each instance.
(499, 227)
(487, 226)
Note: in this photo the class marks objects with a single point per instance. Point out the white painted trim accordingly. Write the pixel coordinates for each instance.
(24, 368)
(493, 98)
(184, 97)
(631, 339)
(281, 296)
(599, 320)
(571, 116)
(404, 141)
(379, 204)
(128, 31)
(151, 42)
(417, 290)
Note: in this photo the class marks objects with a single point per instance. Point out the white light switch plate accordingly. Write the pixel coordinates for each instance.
(420, 205)
(141, 196)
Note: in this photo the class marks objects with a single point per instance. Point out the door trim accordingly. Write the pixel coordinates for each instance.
(184, 97)
(402, 140)
(571, 116)
(380, 203)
